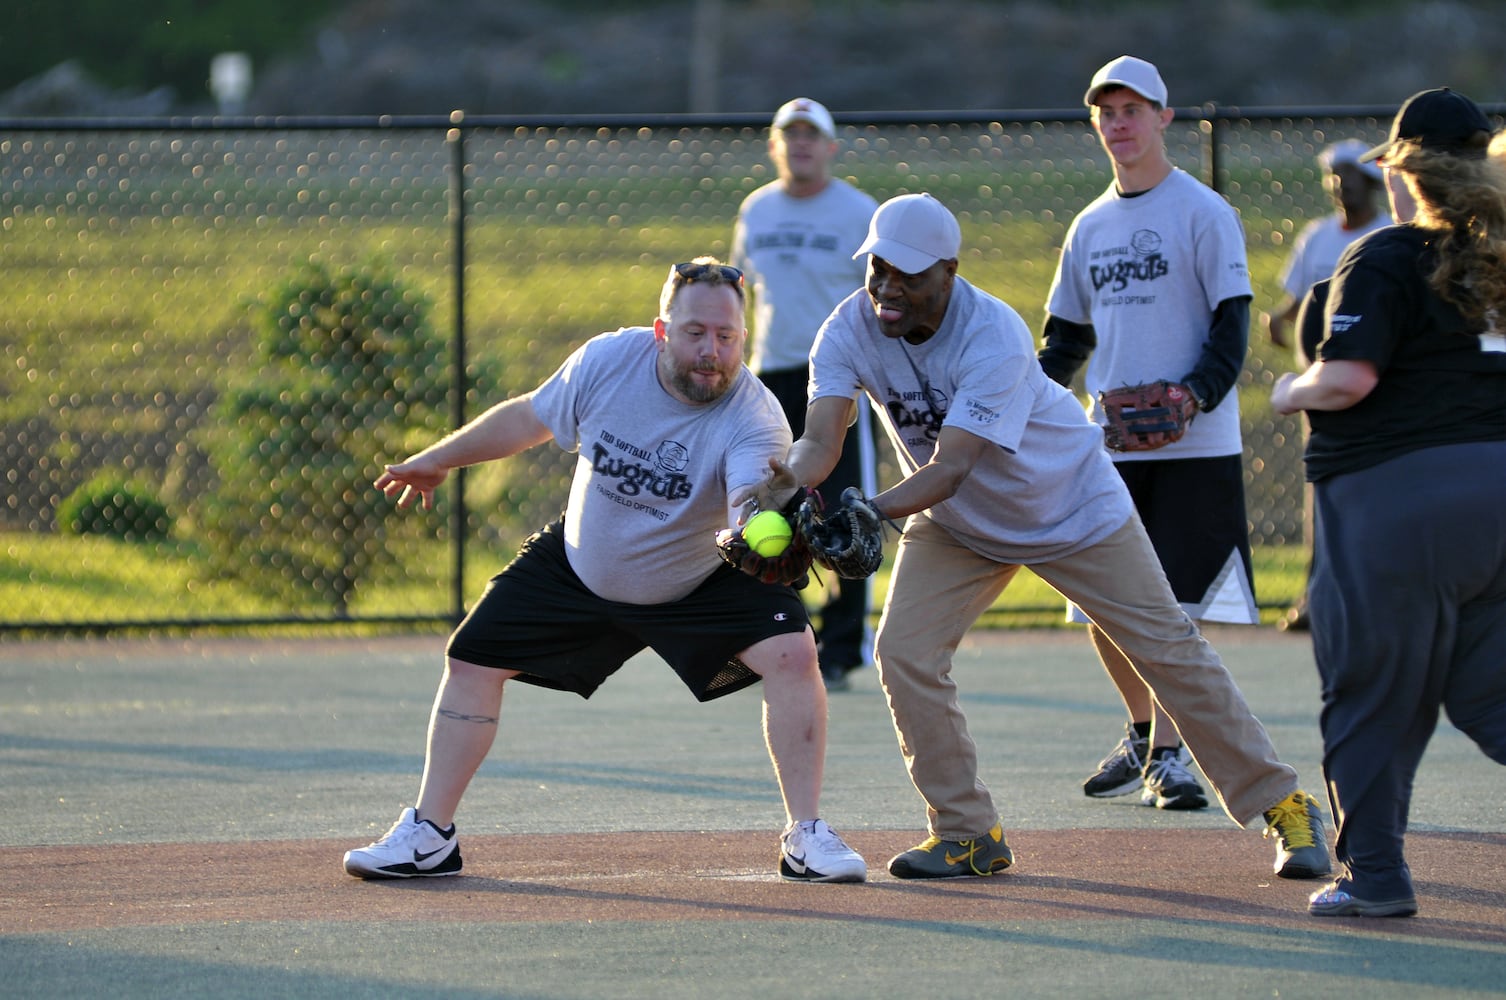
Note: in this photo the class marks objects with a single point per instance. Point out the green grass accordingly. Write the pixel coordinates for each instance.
(129, 295)
(48, 579)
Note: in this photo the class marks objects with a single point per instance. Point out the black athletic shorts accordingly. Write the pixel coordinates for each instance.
(1194, 512)
(537, 617)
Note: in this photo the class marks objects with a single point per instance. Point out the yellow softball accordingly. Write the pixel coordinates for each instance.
(767, 533)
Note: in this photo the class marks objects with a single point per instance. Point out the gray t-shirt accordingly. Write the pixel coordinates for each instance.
(1148, 272)
(1317, 251)
(1047, 490)
(797, 255)
(652, 483)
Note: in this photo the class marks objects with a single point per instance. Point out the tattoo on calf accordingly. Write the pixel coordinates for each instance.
(487, 720)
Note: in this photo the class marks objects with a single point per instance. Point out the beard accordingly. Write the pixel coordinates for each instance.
(682, 377)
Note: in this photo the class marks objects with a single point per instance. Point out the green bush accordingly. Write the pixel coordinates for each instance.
(347, 369)
(115, 505)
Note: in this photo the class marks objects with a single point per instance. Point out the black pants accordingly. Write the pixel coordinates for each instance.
(1408, 610)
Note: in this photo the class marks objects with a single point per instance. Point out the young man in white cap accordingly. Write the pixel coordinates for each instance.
(1357, 189)
(1152, 285)
(794, 239)
(1002, 470)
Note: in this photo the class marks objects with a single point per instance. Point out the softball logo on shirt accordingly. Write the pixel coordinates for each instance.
(906, 414)
(635, 470)
(1115, 269)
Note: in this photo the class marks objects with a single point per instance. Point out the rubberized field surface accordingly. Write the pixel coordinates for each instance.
(176, 812)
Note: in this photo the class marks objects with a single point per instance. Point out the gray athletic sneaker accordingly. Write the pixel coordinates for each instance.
(1301, 845)
(1169, 784)
(1334, 901)
(1121, 772)
(981, 856)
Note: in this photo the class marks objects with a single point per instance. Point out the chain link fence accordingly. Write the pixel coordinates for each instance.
(216, 331)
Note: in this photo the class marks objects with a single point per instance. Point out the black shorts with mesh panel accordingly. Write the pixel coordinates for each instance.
(538, 618)
(1194, 512)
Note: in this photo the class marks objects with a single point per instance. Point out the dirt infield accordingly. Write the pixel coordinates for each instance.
(1077, 875)
(176, 813)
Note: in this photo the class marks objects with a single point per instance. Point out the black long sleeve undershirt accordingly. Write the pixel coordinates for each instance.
(1066, 347)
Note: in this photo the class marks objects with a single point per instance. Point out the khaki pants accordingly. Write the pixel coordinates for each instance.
(938, 590)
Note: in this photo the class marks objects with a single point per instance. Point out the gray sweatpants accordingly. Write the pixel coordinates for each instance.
(938, 589)
(1408, 604)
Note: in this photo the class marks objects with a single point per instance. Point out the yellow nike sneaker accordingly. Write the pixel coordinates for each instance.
(1301, 845)
(937, 858)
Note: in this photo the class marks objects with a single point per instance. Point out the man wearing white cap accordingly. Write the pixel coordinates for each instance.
(1002, 470)
(1357, 190)
(794, 239)
(1152, 285)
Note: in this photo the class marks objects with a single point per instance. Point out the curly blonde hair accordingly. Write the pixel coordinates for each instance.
(1461, 197)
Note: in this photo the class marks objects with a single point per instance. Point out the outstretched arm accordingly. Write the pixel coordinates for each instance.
(810, 459)
(504, 430)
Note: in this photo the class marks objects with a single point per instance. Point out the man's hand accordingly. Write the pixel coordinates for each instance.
(771, 494)
(417, 477)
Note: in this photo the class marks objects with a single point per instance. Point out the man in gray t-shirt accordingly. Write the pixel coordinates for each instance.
(1152, 285)
(668, 424)
(1003, 470)
(794, 238)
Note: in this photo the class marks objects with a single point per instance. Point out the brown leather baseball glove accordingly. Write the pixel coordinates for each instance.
(1147, 416)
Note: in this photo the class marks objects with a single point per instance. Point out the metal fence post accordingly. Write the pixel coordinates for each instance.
(1212, 165)
(458, 385)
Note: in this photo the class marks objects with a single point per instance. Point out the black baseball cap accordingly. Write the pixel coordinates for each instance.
(1443, 120)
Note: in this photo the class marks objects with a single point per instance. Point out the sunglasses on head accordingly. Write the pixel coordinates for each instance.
(691, 271)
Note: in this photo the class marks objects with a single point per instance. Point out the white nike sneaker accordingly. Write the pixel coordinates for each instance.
(812, 852)
(412, 848)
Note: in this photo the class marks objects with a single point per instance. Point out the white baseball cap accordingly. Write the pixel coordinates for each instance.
(912, 232)
(1349, 151)
(803, 109)
(1127, 71)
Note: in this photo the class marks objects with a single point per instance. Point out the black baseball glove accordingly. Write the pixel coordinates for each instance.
(1146, 417)
(848, 539)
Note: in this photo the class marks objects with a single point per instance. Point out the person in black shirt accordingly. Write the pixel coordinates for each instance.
(1407, 406)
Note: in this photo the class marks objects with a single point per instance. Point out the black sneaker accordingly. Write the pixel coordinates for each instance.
(1170, 785)
(1121, 772)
